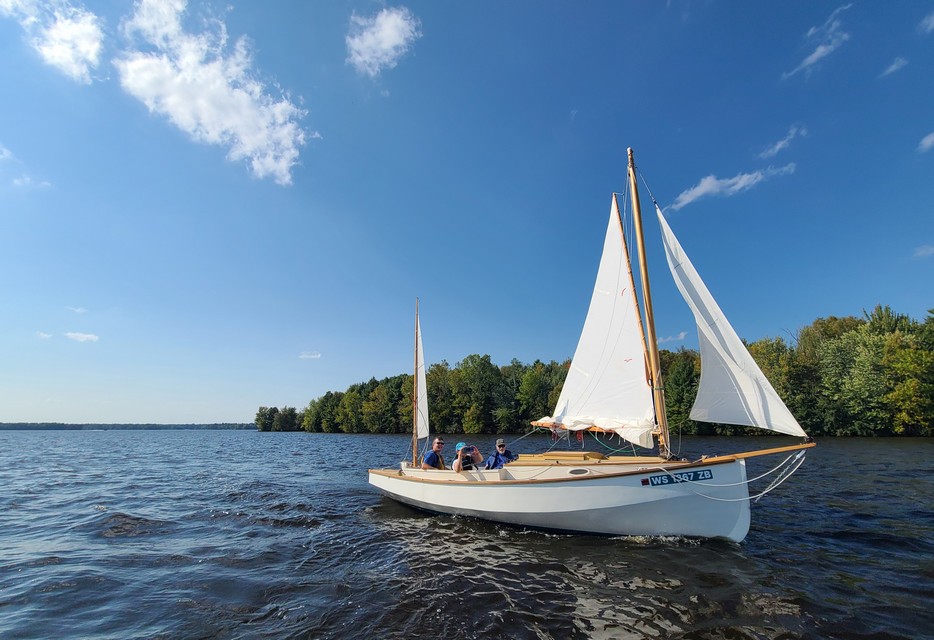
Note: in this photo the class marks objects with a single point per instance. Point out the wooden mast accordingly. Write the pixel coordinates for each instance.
(651, 345)
(415, 395)
(632, 285)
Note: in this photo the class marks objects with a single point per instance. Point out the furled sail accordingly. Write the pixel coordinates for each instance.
(606, 385)
(421, 403)
(733, 389)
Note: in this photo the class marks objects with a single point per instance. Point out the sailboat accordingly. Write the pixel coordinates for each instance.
(615, 386)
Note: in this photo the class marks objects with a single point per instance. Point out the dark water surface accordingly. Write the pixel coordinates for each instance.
(237, 534)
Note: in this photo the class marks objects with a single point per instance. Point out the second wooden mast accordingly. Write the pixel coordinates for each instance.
(651, 346)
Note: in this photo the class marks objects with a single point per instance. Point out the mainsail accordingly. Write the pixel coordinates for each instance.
(733, 389)
(421, 399)
(606, 385)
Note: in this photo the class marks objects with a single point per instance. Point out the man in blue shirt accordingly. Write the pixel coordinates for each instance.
(501, 456)
(434, 459)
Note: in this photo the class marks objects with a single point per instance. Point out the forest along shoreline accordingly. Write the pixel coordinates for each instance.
(848, 376)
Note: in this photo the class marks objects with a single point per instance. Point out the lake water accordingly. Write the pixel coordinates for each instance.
(239, 534)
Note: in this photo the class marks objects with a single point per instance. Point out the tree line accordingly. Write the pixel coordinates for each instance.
(849, 376)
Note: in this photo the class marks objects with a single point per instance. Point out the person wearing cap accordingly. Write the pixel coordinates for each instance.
(468, 457)
(434, 459)
(500, 456)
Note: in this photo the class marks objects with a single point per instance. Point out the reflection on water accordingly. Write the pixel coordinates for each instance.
(246, 535)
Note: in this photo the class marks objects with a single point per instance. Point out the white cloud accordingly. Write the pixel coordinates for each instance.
(927, 143)
(714, 186)
(924, 251)
(81, 337)
(309, 355)
(78, 310)
(927, 25)
(793, 132)
(27, 182)
(67, 36)
(43, 336)
(829, 37)
(5, 154)
(897, 64)
(377, 43)
(208, 91)
(676, 338)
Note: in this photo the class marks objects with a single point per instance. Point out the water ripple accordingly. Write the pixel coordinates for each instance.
(229, 535)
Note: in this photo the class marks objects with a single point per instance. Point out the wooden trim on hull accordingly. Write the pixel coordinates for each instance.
(466, 478)
(646, 465)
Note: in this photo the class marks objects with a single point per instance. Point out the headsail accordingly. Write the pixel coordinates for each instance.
(606, 385)
(733, 389)
(421, 400)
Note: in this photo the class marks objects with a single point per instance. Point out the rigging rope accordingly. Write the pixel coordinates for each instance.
(796, 460)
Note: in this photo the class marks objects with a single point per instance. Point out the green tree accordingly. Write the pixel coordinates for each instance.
(286, 420)
(403, 407)
(505, 397)
(311, 419)
(909, 370)
(328, 411)
(815, 410)
(682, 375)
(534, 388)
(378, 411)
(883, 321)
(478, 383)
(440, 398)
(350, 410)
(854, 383)
(265, 418)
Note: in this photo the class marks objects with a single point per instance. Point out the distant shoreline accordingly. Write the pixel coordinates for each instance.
(60, 426)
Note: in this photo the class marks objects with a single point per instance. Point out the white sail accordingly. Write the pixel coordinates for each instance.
(733, 389)
(606, 385)
(421, 401)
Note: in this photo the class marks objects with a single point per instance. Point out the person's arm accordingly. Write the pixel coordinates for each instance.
(426, 464)
(458, 466)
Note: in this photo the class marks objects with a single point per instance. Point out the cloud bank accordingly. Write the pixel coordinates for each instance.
(927, 143)
(66, 37)
(208, 92)
(377, 43)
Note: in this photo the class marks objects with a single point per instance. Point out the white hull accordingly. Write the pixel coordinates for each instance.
(605, 497)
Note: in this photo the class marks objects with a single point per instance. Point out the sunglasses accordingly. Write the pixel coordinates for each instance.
(441, 443)
(500, 446)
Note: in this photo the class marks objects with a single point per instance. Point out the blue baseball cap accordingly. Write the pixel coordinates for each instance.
(459, 446)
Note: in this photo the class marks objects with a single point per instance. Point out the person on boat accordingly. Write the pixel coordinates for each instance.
(468, 457)
(501, 456)
(434, 459)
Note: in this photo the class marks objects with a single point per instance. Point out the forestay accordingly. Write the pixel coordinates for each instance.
(606, 385)
(733, 389)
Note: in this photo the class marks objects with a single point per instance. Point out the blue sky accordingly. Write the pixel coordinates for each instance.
(210, 206)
